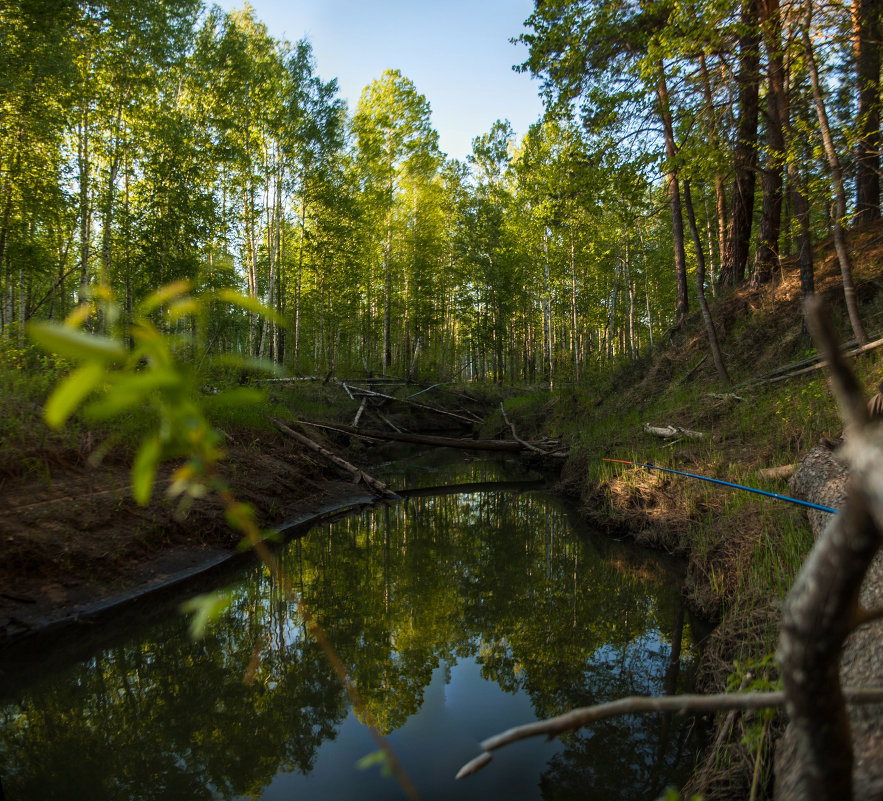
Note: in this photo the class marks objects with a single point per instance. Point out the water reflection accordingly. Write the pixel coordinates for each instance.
(457, 616)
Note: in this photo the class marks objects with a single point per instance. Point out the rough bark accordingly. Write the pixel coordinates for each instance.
(868, 34)
(766, 257)
(745, 153)
(674, 197)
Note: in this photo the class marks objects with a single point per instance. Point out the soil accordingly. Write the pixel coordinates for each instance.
(76, 542)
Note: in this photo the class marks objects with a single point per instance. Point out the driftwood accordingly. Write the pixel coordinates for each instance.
(669, 432)
(497, 445)
(355, 472)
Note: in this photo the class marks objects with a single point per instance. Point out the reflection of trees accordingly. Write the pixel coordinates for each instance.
(172, 719)
(398, 591)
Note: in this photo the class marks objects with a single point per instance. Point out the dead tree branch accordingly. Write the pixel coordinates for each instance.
(639, 705)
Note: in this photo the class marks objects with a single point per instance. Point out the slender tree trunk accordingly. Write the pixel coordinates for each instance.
(719, 183)
(84, 164)
(646, 285)
(710, 331)
(574, 337)
(745, 154)
(840, 244)
(800, 207)
(766, 257)
(674, 196)
(868, 36)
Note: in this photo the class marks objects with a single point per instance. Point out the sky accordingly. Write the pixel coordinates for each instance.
(456, 52)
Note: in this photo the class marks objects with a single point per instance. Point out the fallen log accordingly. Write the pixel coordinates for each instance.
(497, 445)
(427, 407)
(357, 474)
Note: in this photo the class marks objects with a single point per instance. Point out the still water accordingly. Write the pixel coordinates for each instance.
(457, 614)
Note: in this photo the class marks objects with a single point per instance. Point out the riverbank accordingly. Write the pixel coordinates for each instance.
(75, 541)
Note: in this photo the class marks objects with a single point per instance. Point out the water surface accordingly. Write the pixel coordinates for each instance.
(457, 615)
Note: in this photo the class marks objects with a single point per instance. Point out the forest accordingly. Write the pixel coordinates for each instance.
(686, 148)
(180, 192)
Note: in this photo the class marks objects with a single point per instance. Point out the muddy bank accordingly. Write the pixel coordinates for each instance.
(76, 542)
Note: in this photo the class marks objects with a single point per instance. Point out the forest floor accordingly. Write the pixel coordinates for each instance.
(75, 540)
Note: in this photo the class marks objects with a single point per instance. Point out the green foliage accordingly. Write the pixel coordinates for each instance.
(379, 758)
(206, 610)
(152, 372)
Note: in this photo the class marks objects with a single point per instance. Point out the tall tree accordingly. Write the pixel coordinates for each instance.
(868, 32)
(745, 152)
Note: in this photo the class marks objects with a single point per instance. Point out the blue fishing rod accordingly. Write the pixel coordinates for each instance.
(785, 498)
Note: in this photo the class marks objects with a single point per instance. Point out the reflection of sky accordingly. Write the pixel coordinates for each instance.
(432, 746)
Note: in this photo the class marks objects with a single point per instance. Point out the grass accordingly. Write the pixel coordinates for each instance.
(743, 550)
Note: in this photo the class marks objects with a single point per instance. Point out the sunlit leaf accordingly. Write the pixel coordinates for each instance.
(239, 396)
(69, 393)
(249, 304)
(206, 609)
(246, 363)
(78, 316)
(183, 308)
(76, 344)
(164, 294)
(129, 390)
(144, 468)
(375, 758)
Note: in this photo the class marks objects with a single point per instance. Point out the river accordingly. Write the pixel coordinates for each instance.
(457, 613)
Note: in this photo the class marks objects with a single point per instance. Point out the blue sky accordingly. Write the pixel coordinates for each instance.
(456, 52)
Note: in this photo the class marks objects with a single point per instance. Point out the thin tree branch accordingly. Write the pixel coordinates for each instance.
(638, 705)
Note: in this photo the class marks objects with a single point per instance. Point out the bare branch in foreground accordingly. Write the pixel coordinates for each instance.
(638, 705)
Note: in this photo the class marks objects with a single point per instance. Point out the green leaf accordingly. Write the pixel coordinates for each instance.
(372, 759)
(129, 390)
(163, 295)
(248, 303)
(231, 398)
(144, 468)
(76, 344)
(246, 363)
(69, 393)
(206, 608)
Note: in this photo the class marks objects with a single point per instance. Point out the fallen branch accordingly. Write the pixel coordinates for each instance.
(355, 472)
(639, 705)
(816, 363)
(362, 406)
(668, 432)
(373, 394)
(515, 436)
(780, 472)
(725, 396)
(693, 369)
